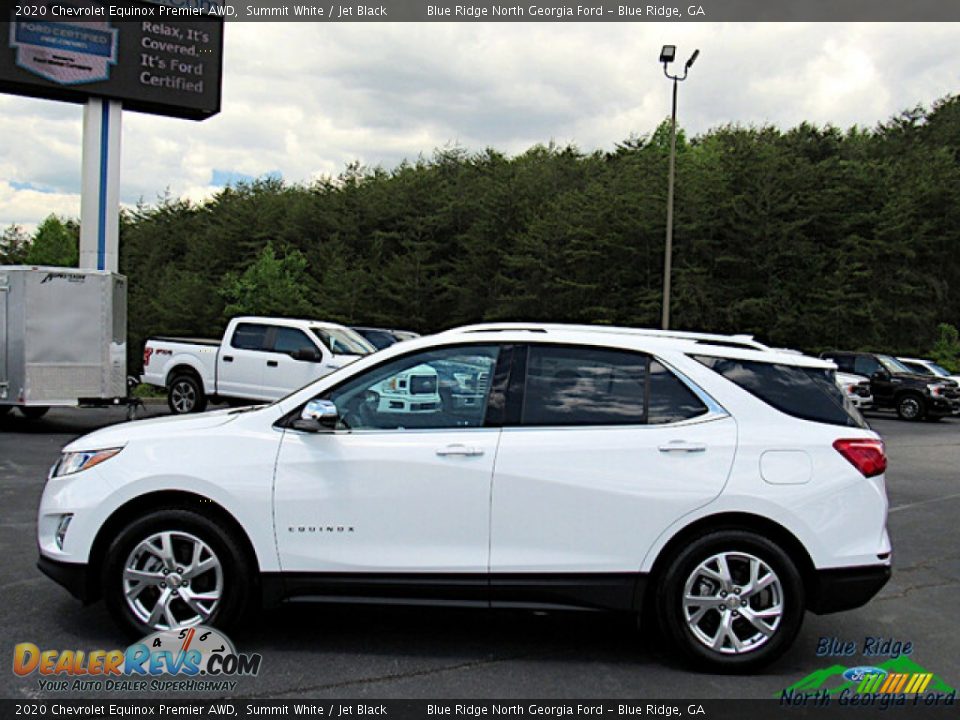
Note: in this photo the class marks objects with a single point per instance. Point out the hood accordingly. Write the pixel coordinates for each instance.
(122, 433)
(847, 378)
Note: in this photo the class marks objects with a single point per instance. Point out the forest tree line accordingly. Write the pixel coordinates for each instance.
(811, 237)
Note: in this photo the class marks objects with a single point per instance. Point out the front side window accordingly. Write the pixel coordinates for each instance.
(250, 336)
(584, 386)
(802, 392)
(290, 340)
(437, 389)
(865, 365)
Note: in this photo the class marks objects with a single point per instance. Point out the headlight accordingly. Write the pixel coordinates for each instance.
(935, 389)
(74, 462)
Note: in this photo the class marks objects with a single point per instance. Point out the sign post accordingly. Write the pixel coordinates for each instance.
(100, 185)
(166, 66)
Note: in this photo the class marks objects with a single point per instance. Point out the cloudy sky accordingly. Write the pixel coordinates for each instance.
(304, 99)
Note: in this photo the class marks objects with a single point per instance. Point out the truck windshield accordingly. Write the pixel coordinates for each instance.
(341, 342)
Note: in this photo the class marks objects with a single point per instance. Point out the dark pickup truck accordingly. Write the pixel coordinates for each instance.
(896, 387)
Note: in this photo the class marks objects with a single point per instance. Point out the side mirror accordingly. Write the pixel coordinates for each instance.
(317, 416)
(307, 355)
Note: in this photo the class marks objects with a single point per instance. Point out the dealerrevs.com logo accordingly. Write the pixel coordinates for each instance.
(183, 659)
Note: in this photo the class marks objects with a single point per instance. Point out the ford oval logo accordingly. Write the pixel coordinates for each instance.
(856, 674)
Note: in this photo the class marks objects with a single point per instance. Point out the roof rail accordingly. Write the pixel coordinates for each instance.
(742, 341)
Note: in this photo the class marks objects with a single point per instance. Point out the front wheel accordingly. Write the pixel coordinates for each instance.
(176, 568)
(731, 601)
(185, 395)
(910, 407)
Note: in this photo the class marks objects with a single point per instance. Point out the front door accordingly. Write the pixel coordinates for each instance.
(401, 487)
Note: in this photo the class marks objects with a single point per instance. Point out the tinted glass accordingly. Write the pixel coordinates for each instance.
(289, 340)
(584, 386)
(250, 336)
(670, 399)
(844, 362)
(380, 339)
(865, 365)
(917, 368)
(444, 388)
(805, 393)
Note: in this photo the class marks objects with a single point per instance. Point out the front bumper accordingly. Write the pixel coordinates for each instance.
(73, 576)
(839, 589)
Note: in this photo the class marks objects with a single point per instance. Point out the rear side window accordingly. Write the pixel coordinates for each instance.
(670, 399)
(844, 362)
(584, 386)
(805, 393)
(250, 336)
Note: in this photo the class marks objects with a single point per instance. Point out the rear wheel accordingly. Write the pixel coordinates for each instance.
(731, 601)
(176, 568)
(910, 407)
(185, 395)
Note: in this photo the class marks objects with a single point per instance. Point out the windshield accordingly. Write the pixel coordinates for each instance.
(342, 341)
(941, 371)
(894, 366)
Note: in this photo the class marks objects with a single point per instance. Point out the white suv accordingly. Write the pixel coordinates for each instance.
(721, 489)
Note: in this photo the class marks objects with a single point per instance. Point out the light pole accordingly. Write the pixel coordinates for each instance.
(667, 55)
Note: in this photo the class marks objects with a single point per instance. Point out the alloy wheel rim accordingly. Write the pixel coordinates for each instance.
(733, 603)
(910, 408)
(184, 397)
(172, 579)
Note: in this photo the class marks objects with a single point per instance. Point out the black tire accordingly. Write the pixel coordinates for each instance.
(685, 567)
(237, 576)
(910, 406)
(33, 412)
(185, 395)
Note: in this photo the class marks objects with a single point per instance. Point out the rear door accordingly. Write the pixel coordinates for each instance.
(608, 448)
(242, 361)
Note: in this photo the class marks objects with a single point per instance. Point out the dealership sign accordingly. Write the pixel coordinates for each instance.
(161, 66)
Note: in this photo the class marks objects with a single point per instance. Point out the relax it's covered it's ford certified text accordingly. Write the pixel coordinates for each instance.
(716, 490)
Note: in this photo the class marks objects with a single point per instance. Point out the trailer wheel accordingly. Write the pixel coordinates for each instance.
(185, 395)
(34, 412)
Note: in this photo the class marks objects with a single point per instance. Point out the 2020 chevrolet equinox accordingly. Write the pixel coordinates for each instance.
(723, 489)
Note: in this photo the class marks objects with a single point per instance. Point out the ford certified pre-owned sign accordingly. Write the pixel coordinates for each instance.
(165, 67)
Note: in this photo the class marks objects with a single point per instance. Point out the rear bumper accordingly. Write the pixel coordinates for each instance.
(840, 589)
(72, 576)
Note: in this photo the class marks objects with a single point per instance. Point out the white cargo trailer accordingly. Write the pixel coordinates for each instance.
(63, 338)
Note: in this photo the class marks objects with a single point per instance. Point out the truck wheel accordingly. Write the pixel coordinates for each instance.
(910, 407)
(185, 395)
(731, 601)
(174, 567)
(34, 412)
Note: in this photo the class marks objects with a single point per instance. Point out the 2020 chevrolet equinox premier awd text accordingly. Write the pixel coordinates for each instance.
(726, 490)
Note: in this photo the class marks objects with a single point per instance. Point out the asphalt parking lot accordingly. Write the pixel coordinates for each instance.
(324, 651)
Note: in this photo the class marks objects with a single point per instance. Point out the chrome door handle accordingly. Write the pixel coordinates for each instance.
(680, 446)
(462, 450)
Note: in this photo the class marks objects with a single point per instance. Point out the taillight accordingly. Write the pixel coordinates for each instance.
(147, 352)
(866, 455)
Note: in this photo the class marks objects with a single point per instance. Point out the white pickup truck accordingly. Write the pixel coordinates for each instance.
(259, 359)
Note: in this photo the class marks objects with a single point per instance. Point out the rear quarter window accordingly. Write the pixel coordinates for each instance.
(804, 393)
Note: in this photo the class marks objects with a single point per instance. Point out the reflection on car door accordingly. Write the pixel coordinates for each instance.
(591, 475)
(390, 493)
